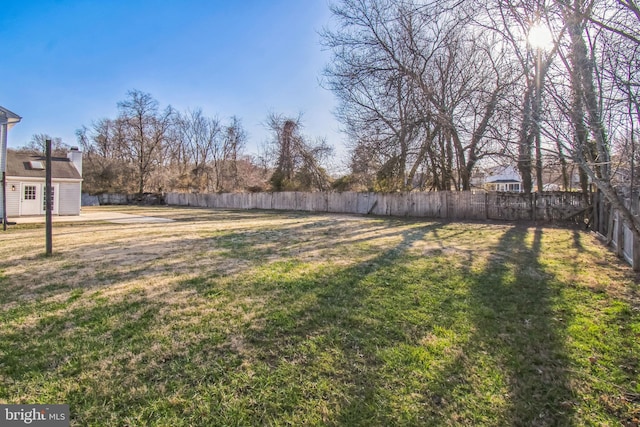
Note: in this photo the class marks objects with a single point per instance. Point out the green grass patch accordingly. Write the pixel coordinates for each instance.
(227, 318)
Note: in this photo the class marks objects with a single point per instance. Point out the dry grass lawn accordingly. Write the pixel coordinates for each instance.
(263, 318)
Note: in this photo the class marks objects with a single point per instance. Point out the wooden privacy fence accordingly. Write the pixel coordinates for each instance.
(552, 206)
(614, 232)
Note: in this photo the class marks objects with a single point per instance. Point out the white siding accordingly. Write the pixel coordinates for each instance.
(13, 199)
(69, 198)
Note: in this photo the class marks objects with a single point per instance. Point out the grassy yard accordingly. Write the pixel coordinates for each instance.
(253, 318)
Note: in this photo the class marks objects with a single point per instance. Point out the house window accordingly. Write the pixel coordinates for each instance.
(44, 198)
(29, 192)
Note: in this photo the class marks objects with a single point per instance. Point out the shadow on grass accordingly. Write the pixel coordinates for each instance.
(97, 357)
(313, 355)
(86, 357)
(411, 334)
(513, 312)
(509, 367)
(408, 339)
(111, 328)
(577, 241)
(371, 318)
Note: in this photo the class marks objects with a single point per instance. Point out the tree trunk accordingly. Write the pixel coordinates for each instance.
(525, 145)
(536, 120)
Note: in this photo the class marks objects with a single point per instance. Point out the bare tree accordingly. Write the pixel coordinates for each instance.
(234, 140)
(615, 22)
(586, 82)
(144, 132)
(513, 22)
(37, 144)
(419, 85)
(105, 167)
(298, 164)
(196, 149)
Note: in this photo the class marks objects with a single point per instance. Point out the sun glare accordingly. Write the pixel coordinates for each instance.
(540, 37)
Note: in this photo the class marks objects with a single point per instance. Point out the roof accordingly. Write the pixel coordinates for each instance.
(12, 118)
(19, 165)
(503, 181)
(506, 174)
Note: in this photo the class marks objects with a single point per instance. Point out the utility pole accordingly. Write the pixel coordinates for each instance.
(3, 166)
(47, 195)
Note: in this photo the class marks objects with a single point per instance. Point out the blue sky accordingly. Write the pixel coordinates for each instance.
(67, 63)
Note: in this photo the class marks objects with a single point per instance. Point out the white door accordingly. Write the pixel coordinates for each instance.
(31, 199)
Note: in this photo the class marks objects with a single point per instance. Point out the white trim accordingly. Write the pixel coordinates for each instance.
(35, 179)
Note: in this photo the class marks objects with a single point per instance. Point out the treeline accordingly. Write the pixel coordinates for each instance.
(149, 149)
(430, 90)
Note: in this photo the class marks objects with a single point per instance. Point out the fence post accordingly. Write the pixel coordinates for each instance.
(533, 206)
(486, 205)
(445, 205)
(595, 203)
(635, 256)
(601, 215)
(620, 235)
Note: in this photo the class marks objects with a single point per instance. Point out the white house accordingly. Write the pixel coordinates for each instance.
(25, 186)
(8, 120)
(505, 179)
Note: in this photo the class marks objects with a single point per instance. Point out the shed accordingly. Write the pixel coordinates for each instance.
(26, 184)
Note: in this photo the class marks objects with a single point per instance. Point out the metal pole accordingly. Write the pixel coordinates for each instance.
(47, 195)
(3, 166)
(4, 201)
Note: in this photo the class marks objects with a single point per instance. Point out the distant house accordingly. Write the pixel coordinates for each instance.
(504, 179)
(26, 184)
